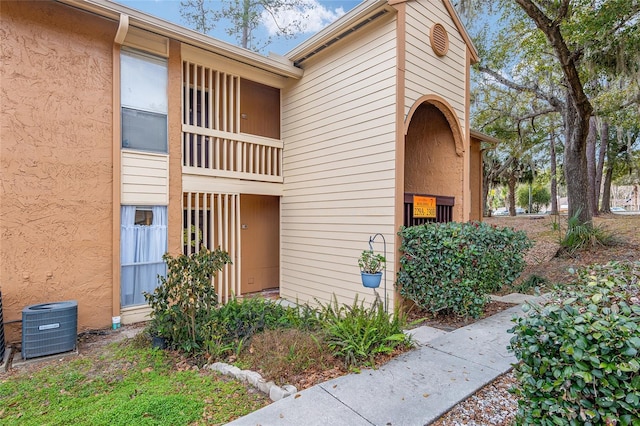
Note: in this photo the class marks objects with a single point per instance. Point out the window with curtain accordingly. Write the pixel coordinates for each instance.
(142, 244)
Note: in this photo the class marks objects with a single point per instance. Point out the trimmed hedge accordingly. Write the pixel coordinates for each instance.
(579, 351)
(453, 266)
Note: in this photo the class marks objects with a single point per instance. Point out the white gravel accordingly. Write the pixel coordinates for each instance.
(492, 405)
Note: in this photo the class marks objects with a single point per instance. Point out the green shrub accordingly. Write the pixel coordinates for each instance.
(231, 325)
(453, 266)
(183, 302)
(578, 352)
(540, 196)
(358, 333)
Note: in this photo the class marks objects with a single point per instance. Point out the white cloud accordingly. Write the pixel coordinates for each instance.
(308, 17)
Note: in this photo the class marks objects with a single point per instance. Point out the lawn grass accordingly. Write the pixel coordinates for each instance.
(127, 384)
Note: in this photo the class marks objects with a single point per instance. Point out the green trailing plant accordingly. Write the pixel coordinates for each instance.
(356, 333)
(371, 263)
(578, 351)
(452, 267)
(186, 298)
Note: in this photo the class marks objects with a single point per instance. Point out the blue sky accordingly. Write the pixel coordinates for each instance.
(319, 14)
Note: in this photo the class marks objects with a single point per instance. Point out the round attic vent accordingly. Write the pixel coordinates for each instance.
(439, 40)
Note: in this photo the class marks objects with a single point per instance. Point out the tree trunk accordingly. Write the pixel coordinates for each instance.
(606, 190)
(246, 9)
(577, 109)
(576, 130)
(604, 145)
(591, 164)
(554, 174)
(511, 183)
(486, 211)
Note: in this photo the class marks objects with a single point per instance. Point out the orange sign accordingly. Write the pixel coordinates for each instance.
(424, 207)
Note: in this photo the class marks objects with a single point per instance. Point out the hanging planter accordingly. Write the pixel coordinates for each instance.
(371, 266)
(371, 280)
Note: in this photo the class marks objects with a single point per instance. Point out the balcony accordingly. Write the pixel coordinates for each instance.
(217, 153)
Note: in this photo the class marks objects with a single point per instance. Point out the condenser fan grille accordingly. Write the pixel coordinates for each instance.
(49, 328)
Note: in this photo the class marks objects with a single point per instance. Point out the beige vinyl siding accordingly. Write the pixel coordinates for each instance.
(339, 167)
(427, 73)
(145, 178)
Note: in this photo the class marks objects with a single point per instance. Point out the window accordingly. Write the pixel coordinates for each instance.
(143, 97)
(143, 241)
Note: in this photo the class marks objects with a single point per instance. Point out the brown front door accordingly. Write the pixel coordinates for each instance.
(260, 234)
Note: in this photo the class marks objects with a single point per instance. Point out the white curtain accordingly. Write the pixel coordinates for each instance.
(141, 250)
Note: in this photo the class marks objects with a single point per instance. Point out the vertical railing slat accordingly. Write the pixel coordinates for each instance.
(238, 260)
(188, 242)
(224, 101)
(217, 154)
(217, 102)
(225, 230)
(232, 243)
(220, 275)
(237, 112)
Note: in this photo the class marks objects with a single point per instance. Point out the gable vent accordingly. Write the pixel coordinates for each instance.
(439, 40)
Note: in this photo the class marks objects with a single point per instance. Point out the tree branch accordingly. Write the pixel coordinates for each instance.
(551, 30)
(552, 100)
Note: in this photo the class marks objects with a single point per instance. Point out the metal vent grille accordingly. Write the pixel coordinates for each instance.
(439, 40)
(49, 328)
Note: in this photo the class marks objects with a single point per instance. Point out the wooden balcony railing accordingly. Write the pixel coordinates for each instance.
(235, 155)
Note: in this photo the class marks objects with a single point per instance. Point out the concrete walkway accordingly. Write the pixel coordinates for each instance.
(413, 389)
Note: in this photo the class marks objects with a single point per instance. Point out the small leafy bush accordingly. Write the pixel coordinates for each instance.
(578, 352)
(358, 333)
(231, 325)
(370, 262)
(452, 267)
(183, 302)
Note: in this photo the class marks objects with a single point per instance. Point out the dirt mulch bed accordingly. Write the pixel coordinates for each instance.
(543, 261)
(449, 322)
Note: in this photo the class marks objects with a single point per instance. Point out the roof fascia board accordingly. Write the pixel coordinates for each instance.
(348, 20)
(164, 28)
(458, 23)
(484, 138)
(463, 31)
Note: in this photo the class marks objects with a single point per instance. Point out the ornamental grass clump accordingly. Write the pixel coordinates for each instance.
(453, 267)
(582, 236)
(578, 352)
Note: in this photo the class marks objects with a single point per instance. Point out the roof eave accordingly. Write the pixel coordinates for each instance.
(348, 20)
(484, 138)
(475, 58)
(111, 10)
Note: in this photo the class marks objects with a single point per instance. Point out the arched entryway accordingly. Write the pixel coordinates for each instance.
(434, 160)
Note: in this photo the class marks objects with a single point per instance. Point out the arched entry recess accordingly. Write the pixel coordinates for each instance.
(434, 157)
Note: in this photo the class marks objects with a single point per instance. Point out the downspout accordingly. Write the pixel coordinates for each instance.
(123, 28)
(121, 33)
